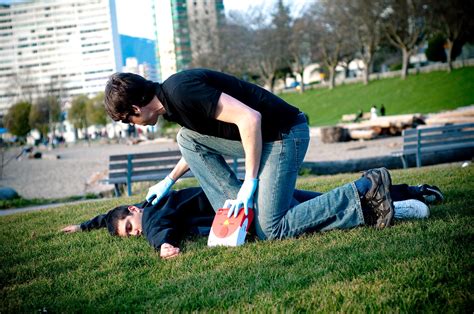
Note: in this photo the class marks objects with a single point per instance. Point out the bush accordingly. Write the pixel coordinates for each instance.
(435, 51)
(16, 120)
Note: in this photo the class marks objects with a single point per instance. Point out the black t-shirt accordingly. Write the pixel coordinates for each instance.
(190, 99)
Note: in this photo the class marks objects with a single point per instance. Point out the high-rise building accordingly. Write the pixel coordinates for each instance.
(205, 18)
(60, 47)
(185, 29)
(138, 54)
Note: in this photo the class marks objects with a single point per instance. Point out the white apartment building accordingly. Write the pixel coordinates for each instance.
(60, 47)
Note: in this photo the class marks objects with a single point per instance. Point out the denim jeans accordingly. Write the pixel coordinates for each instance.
(278, 214)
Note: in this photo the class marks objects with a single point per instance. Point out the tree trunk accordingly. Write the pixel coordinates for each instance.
(368, 67)
(269, 81)
(302, 82)
(449, 49)
(332, 77)
(366, 74)
(405, 60)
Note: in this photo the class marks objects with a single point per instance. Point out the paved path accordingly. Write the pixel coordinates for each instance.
(6, 212)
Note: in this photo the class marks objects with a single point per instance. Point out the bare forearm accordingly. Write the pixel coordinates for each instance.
(180, 169)
(251, 135)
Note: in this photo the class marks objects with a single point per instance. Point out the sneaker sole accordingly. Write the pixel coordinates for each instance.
(386, 221)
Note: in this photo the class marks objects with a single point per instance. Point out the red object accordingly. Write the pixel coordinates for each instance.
(229, 231)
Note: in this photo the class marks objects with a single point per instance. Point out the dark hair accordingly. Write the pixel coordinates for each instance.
(113, 217)
(124, 90)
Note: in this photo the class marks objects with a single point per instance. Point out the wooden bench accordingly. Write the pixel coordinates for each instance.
(155, 166)
(433, 139)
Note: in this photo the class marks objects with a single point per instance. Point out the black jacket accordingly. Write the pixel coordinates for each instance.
(182, 212)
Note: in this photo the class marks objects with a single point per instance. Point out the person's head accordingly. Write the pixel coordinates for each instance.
(124, 221)
(131, 98)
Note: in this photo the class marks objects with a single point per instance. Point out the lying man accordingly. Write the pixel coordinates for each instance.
(188, 211)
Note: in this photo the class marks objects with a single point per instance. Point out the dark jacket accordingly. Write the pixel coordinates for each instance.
(182, 212)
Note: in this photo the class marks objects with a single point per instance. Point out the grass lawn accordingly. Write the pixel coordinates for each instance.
(422, 93)
(417, 265)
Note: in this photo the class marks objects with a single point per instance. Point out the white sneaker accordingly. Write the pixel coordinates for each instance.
(410, 209)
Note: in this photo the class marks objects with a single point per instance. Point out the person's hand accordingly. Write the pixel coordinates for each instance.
(160, 189)
(71, 229)
(244, 198)
(168, 251)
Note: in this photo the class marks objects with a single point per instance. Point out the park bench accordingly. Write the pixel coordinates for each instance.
(140, 167)
(435, 139)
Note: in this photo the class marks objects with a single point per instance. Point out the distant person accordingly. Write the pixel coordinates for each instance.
(373, 112)
(131, 130)
(382, 110)
(188, 211)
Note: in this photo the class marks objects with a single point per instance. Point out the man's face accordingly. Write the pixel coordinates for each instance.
(147, 115)
(132, 224)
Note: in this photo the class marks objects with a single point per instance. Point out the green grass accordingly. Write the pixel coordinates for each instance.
(417, 265)
(422, 93)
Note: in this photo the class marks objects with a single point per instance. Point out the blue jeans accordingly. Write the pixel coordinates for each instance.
(277, 214)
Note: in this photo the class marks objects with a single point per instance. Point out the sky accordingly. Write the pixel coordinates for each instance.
(135, 19)
(135, 16)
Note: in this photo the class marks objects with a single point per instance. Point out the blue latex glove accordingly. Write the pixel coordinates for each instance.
(160, 189)
(244, 198)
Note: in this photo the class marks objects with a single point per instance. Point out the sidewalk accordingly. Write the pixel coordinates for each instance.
(6, 212)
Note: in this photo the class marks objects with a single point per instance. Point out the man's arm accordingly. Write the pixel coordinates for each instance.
(249, 123)
(162, 188)
(95, 223)
(178, 170)
(183, 211)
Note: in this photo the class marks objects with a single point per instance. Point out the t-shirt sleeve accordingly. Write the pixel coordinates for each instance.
(195, 96)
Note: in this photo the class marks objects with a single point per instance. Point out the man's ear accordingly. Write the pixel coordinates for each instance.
(136, 110)
(134, 209)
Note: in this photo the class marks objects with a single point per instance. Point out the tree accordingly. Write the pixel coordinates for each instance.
(16, 120)
(234, 46)
(77, 114)
(405, 23)
(436, 49)
(266, 59)
(44, 113)
(335, 35)
(281, 23)
(366, 16)
(299, 47)
(95, 110)
(269, 44)
(453, 21)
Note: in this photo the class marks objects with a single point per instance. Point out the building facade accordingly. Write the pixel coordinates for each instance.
(56, 47)
(138, 56)
(205, 18)
(185, 30)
